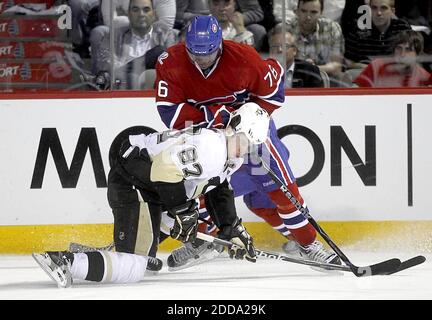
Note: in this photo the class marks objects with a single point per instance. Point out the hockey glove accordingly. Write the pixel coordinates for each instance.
(237, 234)
(128, 151)
(185, 222)
(216, 116)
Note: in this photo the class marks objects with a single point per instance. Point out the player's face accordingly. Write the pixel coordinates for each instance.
(382, 12)
(243, 144)
(308, 14)
(204, 62)
(238, 144)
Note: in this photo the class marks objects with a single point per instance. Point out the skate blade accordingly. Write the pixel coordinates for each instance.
(56, 274)
(197, 261)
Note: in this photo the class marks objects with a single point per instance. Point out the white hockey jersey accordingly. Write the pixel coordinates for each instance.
(196, 156)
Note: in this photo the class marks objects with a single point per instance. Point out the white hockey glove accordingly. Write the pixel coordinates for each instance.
(128, 151)
(237, 234)
(185, 222)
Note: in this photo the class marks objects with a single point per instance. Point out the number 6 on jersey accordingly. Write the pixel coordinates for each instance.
(162, 89)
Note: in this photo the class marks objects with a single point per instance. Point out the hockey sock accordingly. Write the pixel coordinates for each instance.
(293, 219)
(271, 216)
(105, 266)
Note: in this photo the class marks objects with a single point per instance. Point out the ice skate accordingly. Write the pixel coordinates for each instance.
(57, 265)
(154, 265)
(316, 252)
(291, 248)
(192, 254)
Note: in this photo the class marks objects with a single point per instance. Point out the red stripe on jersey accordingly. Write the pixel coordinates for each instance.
(279, 161)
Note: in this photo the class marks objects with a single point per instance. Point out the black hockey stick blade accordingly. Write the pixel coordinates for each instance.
(409, 263)
(382, 268)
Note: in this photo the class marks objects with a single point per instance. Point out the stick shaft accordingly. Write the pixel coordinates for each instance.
(274, 255)
(306, 214)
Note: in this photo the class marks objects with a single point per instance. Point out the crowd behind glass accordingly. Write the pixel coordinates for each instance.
(76, 45)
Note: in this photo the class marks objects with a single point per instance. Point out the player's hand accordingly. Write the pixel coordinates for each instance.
(217, 116)
(237, 19)
(310, 61)
(128, 151)
(185, 222)
(237, 234)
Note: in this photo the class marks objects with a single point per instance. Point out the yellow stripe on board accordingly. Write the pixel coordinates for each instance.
(39, 238)
(361, 235)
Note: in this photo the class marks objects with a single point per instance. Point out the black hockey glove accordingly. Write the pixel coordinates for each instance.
(185, 222)
(237, 234)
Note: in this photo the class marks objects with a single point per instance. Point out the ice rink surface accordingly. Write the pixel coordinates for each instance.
(225, 279)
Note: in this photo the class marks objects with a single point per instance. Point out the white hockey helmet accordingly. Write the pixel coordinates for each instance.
(252, 120)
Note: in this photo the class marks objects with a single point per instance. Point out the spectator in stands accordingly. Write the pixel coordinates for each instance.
(136, 47)
(85, 17)
(319, 39)
(299, 73)
(290, 9)
(401, 70)
(89, 14)
(363, 44)
(187, 9)
(165, 10)
(332, 9)
(269, 20)
(350, 13)
(252, 15)
(231, 21)
(418, 13)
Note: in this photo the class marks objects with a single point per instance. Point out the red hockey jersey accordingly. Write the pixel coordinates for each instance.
(239, 75)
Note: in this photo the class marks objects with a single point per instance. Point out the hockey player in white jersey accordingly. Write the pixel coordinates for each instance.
(161, 172)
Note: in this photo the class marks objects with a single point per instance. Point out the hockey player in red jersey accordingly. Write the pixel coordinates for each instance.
(199, 83)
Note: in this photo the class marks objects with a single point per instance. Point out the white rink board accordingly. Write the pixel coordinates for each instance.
(353, 200)
(22, 121)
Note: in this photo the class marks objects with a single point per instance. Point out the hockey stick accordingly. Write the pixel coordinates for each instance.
(274, 255)
(410, 263)
(386, 267)
(79, 248)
